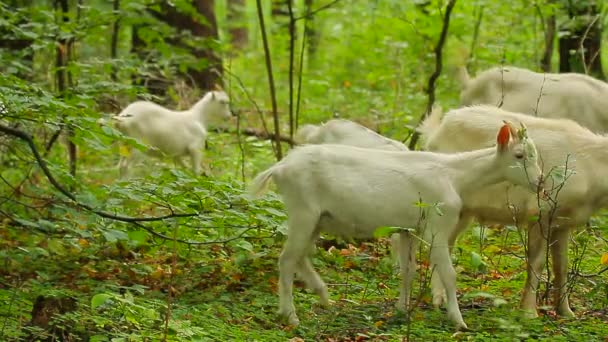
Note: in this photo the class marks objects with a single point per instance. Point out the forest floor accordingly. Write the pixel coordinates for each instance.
(113, 289)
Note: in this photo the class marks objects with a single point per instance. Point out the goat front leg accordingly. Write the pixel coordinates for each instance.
(441, 263)
(537, 240)
(196, 157)
(559, 254)
(437, 288)
(179, 161)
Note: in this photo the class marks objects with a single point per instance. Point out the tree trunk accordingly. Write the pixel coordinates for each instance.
(115, 34)
(19, 46)
(205, 77)
(545, 62)
(312, 34)
(582, 30)
(237, 24)
(64, 79)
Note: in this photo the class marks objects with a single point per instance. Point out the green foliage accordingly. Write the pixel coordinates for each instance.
(208, 270)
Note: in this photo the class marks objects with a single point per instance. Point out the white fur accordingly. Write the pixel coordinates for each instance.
(173, 133)
(351, 191)
(345, 132)
(557, 140)
(564, 96)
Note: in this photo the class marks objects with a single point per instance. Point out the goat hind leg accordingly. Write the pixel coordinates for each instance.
(537, 241)
(559, 255)
(313, 281)
(300, 233)
(407, 245)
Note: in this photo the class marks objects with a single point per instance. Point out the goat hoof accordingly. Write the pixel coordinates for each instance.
(292, 318)
(439, 300)
(462, 327)
(325, 302)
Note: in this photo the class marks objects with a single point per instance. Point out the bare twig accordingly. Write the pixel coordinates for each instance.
(255, 104)
(438, 66)
(582, 48)
(476, 28)
(273, 97)
(268, 136)
(313, 12)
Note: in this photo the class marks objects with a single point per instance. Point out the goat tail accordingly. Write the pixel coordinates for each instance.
(431, 123)
(463, 76)
(260, 183)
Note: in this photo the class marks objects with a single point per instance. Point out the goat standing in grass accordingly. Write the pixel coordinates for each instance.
(352, 191)
(346, 132)
(172, 133)
(573, 96)
(575, 154)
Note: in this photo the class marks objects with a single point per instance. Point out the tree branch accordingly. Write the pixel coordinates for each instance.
(40, 161)
(313, 12)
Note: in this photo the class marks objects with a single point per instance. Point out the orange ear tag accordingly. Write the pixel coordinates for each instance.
(503, 136)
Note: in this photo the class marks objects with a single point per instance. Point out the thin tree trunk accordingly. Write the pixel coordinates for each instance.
(63, 53)
(238, 26)
(476, 28)
(438, 66)
(275, 114)
(292, 46)
(545, 62)
(115, 34)
(313, 35)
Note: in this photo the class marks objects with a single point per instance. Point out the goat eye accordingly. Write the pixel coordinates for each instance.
(519, 155)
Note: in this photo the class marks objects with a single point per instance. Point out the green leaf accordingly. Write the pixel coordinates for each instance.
(245, 245)
(276, 212)
(476, 261)
(138, 237)
(99, 299)
(113, 235)
(387, 231)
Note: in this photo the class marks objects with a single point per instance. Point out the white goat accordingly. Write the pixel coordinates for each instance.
(561, 143)
(351, 191)
(345, 132)
(560, 96)
(173, 133)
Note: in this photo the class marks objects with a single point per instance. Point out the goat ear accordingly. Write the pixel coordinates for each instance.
(218, 87)
(513, 131)
(504, 135)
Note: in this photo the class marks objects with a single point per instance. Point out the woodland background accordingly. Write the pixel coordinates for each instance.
(165, 255)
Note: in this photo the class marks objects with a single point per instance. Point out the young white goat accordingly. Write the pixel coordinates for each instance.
(173, 133)
(571, 150)
(559, 96)
(346, 132)
(351, 191)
